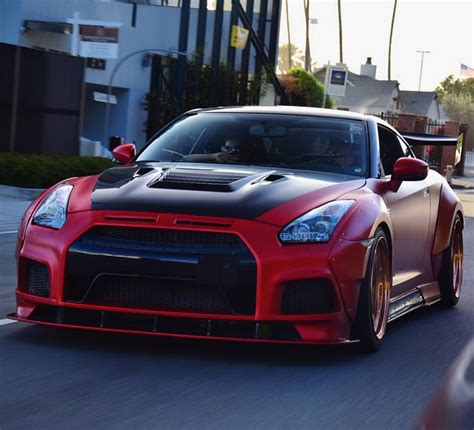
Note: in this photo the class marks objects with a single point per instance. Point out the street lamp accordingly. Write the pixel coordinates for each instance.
(115, 70)
(421, 65)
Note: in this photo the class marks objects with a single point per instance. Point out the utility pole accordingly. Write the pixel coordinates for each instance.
(421, 65)
(339, 13)
(390, 41)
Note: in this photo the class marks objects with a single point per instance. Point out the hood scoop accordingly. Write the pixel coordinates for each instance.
(197, 179)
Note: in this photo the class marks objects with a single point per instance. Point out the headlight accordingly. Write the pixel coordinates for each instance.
(52, 212)
(316, 225)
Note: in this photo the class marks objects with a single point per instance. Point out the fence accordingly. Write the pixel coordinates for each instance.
(390, 117)
(432, 154)
(435, 127)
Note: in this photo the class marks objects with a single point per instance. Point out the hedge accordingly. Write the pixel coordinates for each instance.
(303, 89)
(42, 171)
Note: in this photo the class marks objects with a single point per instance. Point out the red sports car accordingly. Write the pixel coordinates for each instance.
(268, 224)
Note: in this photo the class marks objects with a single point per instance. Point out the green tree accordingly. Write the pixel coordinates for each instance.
(297, 57)
(303, 89)
(457, 99)
(456, 87)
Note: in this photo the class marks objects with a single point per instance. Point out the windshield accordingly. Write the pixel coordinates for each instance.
(274, 140)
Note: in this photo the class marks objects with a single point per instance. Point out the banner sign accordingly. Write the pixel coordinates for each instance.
(336, 80)
(97, 41)
(239, 37)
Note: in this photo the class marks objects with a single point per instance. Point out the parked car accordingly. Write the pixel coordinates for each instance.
(266, 224)
(452, 406)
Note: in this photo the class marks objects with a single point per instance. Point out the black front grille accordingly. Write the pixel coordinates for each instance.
(197, 179)
(162, 269)
(156, 293)
(149, 238)
(37, 281)
(308, 296)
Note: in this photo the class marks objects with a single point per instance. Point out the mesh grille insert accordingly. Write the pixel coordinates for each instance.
(155, 293)
(308, 296)
(143, 236)
(37, 282)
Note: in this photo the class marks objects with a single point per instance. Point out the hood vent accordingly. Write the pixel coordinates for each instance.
(270, 178)
(197, 179)
(143, 171)
(274, 177)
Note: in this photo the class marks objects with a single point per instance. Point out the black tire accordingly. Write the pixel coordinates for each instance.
(371, 323)
(450, 278)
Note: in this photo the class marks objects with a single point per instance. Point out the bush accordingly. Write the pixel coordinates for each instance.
(42, 171)
(303, 89)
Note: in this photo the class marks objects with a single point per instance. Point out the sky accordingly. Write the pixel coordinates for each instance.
(443, 27)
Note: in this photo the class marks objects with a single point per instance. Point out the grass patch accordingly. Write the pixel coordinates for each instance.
(42, 171)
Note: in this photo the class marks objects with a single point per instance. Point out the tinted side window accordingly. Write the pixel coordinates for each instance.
(405, 148)
(390, 149)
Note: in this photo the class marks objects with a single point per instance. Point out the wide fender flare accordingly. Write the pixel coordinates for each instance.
(369, 213)
(449, 206)
(349, 255)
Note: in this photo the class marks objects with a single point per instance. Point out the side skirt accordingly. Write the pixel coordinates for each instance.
(423, 295)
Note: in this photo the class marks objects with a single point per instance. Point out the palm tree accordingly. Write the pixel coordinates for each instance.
(307, 53)
(390, 40)
(341, 58)
(290, 63)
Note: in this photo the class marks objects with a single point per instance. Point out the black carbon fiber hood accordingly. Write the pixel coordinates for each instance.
(244, 192)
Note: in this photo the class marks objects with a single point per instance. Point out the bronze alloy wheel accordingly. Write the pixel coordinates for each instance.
(370, 324)
(457, 256)
(380, 287)
(450, 279)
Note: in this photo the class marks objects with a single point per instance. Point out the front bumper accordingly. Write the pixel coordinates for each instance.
(340, 262)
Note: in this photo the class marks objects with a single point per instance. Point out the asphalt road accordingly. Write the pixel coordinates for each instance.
(56, 379)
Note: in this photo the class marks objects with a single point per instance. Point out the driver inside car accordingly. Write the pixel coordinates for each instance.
(235, 150)
(341, 152)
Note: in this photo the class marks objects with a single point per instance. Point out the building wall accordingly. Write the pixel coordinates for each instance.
(433, 111)
(155, 28)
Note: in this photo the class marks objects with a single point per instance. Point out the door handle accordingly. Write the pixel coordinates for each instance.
(426, 192)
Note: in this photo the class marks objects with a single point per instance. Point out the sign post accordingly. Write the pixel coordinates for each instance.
(335, 81)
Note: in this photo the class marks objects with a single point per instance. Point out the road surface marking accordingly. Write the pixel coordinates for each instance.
(9, 232)
(7, 321)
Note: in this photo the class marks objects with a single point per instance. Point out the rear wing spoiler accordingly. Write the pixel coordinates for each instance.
(430, 139)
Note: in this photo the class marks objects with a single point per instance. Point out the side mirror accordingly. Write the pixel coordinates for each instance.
(409, 169)
(123, 154)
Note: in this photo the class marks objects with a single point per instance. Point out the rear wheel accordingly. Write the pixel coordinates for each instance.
(374, 296)
(450, 279)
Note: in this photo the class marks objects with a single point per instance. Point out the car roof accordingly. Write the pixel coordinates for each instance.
(288, 110)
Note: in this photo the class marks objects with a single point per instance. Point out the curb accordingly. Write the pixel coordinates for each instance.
(459, 184)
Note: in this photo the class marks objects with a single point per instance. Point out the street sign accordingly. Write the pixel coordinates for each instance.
(239, 37)
(104, 98)
(98, 41)
(336, 79)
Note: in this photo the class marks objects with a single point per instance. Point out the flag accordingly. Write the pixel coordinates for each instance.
(466, 71)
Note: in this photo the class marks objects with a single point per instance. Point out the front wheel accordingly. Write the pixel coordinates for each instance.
(374, 297)
(450, 279)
